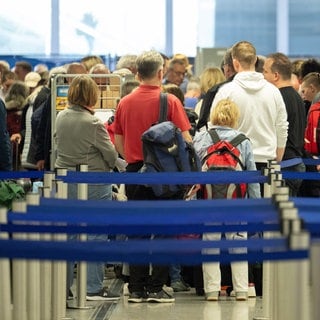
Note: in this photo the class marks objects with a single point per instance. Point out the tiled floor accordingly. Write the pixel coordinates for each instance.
(187, 306)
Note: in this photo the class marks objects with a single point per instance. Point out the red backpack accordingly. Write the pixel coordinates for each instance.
(224, 155)
(312, 133)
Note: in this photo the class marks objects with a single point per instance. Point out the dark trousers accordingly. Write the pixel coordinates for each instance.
(140, 279)
(294, 184)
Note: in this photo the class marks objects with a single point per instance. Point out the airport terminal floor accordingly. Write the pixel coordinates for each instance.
(187, 305)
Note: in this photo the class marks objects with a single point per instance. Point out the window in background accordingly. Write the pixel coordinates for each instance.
(112, 27)
(25, 27)
(304, 28)
(126, 26)
(250, 20)
(185, 26)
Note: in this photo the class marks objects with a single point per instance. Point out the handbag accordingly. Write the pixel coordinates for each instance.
(9, 191)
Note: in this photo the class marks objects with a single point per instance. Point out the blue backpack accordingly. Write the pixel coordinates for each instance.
(165, 150)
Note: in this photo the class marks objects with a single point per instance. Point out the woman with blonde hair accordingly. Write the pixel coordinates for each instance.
(224, 119)
(209, 78)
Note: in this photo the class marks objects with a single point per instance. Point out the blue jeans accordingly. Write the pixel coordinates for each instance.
(175, 272)
(95, 270)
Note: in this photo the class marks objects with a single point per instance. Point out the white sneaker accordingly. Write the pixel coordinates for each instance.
(125, 289)
(251, 291)
(212, 296)
(241, 296)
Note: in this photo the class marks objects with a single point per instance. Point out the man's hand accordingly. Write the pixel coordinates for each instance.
(40, 165)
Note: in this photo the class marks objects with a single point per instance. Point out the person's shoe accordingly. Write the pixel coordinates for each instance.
(70, 295)
(103, 294)
(179, 286)
(161, 296)
(241, 296)
(199, 292)
(167, 289)
(137, 297)
(125, 289)
(251, 291)
(212, 296)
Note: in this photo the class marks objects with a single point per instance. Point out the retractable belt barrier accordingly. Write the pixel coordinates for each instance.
(39, 231)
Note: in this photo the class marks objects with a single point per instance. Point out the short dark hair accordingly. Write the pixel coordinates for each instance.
(24, 65)
(281, 64)
(175, 90)
(310, 65)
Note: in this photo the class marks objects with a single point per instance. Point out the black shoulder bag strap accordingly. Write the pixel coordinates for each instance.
(238, 139)
(163, 110)
(214, 136)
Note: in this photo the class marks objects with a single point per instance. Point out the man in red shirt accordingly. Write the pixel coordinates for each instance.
(135, 113)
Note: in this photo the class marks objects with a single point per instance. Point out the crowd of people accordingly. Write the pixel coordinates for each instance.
(269, 99)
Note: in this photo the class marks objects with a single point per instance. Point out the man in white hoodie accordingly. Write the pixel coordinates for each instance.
(263, 115)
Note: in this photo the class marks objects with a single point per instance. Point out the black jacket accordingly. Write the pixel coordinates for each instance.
(207, 103)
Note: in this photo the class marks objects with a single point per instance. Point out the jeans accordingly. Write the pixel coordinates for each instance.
(174, 272)
(95, 270)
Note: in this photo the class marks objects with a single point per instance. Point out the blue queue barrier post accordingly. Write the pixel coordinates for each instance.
(5, 274)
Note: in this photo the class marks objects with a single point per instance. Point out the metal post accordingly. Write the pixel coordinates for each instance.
(315, 279)
(267, 267)
(45, 268)
(5, 275)
(270, 274)
(81, 265)
(59, 268)
(19, 272)
(33, 271)
(267, 185)
(48, 179)
(293, 285)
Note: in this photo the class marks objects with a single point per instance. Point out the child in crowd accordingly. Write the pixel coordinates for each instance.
(224, 119)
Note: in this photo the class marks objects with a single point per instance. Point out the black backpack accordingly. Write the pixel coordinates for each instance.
(165, 150)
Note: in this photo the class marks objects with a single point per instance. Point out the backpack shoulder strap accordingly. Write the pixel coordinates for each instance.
(163, 110)
(238, 139)
(214, 135)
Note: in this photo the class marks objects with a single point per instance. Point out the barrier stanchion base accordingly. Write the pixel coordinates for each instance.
(74, 305)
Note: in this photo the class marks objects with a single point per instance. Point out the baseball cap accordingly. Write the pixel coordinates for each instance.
(32, 79)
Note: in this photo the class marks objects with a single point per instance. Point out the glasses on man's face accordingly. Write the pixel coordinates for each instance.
(179, 73)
